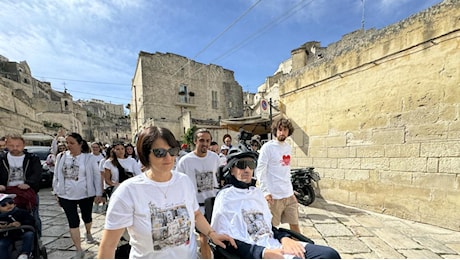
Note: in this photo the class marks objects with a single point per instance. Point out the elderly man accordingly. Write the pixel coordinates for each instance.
(241, 211)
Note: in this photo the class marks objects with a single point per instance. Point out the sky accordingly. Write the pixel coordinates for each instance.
(90, 48)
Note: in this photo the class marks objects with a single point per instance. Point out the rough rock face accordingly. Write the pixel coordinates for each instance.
(378, 115)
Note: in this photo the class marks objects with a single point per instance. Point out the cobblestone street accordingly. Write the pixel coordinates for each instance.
(353, 232)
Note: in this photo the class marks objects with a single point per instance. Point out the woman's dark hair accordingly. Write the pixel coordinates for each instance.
(225, 136)
(108, 152)
(84, 145)
(114, 159)
(283, 122)
(146, 139)
(134, 156)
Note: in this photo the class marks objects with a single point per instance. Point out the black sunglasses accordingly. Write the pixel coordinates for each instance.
(4, 203)
(161, 152)
(242, 164)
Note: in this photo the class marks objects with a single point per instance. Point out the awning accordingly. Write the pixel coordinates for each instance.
(37, 137)
(254, 124)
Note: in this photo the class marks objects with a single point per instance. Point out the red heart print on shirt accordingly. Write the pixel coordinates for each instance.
(286, 160)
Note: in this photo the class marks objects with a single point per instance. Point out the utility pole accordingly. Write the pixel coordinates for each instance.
(271, 116)
(362, 18)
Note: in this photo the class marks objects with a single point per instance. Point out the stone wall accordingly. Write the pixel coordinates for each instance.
(378, 115)
(156, 98)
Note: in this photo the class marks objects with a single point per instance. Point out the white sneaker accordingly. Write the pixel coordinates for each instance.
(95, 208)
(23, 256)
(79, 255)
(90, 239)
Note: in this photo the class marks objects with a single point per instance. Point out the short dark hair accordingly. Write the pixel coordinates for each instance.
(199, 131)
(225, 136)
(146, 139)
(283, 122)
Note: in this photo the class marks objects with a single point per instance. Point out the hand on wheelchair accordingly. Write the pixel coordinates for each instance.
(219, 238)
(292, 247)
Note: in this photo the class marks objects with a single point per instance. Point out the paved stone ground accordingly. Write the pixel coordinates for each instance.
(353, 232)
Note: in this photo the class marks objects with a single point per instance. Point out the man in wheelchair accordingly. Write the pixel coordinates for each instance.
(241, 211)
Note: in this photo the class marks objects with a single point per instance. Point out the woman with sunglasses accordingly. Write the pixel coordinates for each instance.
(241, 211)
(158, 207)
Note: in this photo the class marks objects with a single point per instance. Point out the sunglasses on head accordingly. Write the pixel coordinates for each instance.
(161, 152)
(6, 202)
(242, 164)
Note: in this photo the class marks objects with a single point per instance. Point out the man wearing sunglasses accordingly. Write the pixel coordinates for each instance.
(241, 211)
(201, 166)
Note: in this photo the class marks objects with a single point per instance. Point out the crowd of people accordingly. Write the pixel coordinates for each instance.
(155, 193)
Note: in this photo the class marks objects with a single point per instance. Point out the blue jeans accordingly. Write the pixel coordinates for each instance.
(27, 244)
(320, 252)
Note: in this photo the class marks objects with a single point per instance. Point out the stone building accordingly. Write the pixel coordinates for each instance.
(28, 105)
(172, 91)
(378, 115)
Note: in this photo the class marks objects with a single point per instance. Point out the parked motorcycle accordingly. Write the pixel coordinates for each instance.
(302, 181)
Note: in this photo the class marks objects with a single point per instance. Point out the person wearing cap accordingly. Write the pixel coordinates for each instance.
(20, 173)
(12, 217)
(223, 153)
(201, 166)
(241, 211)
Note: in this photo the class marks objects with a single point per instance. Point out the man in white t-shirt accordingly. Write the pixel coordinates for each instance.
(274, 175)
(201, 166)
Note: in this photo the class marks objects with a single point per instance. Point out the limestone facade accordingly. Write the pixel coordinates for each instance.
(175, 92)
(378, 115)
(28, 105)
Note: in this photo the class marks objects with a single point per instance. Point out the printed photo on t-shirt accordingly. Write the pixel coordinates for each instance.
(16, 174)
(204, 181)
(71, 169)
(170, 226)
(255, 223)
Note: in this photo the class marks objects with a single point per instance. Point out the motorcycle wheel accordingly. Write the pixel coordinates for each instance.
(305, 196)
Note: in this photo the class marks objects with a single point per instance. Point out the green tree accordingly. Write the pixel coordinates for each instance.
(187, 138)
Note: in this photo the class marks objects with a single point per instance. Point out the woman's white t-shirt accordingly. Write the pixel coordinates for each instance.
(159, 216)
(74, 174)
(129, 164)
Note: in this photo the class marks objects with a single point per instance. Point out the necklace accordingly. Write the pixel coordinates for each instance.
(164, 192)
(158, 186)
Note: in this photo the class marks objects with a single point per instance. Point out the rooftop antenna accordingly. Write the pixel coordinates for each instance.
(362, 18)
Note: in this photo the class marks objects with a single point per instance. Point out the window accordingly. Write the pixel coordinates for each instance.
(214, 99)
(183, 93)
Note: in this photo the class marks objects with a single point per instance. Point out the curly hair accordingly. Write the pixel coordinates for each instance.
(282, 123)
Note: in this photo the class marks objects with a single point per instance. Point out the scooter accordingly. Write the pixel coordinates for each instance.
(302, 181)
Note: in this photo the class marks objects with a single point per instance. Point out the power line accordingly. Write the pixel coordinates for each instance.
(92, 94)
(265, 28)
(86, 81)
(268, 26)
(219, 35)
